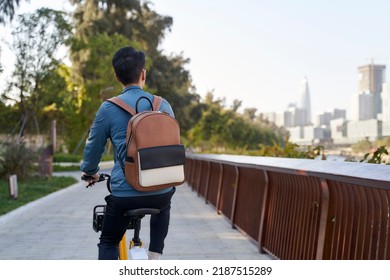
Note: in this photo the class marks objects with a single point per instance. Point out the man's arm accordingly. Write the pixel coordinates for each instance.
(96, 143)
(166, 107)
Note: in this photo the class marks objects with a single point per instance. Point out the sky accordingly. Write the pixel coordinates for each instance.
(259, 51)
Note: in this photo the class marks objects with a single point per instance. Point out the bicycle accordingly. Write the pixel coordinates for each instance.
(137, 252)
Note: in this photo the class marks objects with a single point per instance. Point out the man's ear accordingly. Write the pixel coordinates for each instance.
(143, 75)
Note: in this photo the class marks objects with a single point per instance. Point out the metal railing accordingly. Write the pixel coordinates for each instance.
(298, 208)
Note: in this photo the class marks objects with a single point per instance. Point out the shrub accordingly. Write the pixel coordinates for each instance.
(17, 159)
(378, 156)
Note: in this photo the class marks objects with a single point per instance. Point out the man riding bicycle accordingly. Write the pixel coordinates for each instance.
(110, 122)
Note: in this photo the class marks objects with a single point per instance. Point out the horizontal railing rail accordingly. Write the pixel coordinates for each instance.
(299, 208)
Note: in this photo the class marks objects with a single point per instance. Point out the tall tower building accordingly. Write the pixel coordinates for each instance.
(304, 102)
(370, 80)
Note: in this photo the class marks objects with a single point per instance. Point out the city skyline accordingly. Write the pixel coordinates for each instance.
(370, 119)
(366, 101)
(273, 44)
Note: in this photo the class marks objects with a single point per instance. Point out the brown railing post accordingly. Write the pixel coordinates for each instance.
(197, 172)
(192, 171)
(323, 218)
(187, 169)
(207, 181)
(199, 177)
(235, 195)
(263, 213)
(219, 188)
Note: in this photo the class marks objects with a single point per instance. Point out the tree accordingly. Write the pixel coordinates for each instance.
(133, 19)
(96, 80)
(236, 105)
(221, 129)
(250, 113)
(7, 9)
(139, 25)
(36, 39)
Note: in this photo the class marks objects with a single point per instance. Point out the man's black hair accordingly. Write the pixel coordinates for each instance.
(128, 64)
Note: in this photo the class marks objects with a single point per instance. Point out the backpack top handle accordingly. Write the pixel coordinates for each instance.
(157, 100)
(154, 106)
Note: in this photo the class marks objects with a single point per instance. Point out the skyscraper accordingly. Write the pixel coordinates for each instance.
(370, 80)
(304, 102)
(363, 107)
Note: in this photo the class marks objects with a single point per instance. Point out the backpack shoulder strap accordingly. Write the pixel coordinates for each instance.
(157, 100)
(122, 104)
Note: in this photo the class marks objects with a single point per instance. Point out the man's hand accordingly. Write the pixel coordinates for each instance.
(93, 178)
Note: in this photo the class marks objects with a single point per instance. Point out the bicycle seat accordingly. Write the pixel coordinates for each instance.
(141, 211)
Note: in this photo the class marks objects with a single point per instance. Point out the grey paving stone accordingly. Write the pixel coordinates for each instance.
(59, 227)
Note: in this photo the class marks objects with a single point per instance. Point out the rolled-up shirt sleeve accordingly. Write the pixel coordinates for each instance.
(96, 142)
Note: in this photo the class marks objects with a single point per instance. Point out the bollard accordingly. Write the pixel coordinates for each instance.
(13, 186)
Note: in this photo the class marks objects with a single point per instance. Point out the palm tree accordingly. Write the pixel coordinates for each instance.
(7, 9)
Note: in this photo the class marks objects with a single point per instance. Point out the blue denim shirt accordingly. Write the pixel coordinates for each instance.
(111, 123)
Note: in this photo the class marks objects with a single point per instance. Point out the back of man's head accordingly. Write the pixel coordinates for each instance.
(128, 64)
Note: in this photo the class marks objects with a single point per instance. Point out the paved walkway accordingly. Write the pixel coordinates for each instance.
(59, 227)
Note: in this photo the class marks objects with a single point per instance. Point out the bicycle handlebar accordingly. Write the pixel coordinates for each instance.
(102, 177)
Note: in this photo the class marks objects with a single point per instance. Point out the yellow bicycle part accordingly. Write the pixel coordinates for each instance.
(123, 249)
(132, 244)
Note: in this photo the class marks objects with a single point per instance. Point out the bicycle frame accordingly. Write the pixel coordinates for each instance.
(123, 249)
(135, 222)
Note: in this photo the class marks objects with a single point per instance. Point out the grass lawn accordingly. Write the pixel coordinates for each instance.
(30, 190)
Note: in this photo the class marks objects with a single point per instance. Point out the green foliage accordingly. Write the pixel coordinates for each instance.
(34, 188)
(378, 156)
(97, 33)
(374, 152)
(132, 19)
(36, 39)
(221, 129)
(8, 118)
(97, 74)
(291, 150)
(17, 159)
(7, 9)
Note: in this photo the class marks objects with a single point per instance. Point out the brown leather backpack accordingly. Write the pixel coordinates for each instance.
(155, 157)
